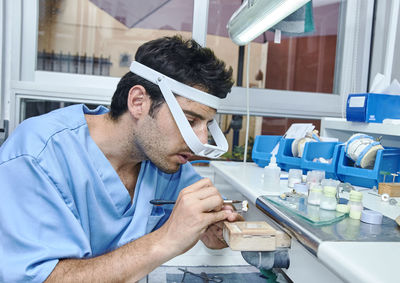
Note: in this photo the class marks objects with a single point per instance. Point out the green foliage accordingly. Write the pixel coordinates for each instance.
(237, 153)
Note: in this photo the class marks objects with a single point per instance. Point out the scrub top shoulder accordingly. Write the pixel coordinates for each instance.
(61, 198)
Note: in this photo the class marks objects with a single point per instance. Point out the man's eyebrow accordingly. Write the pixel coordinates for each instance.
(194, 114)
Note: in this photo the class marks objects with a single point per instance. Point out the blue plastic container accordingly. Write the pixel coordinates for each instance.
(387, 160)
(327, 150)
(263, 145)
(285, 158)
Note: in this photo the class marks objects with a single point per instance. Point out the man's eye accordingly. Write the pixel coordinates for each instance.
(191, 122)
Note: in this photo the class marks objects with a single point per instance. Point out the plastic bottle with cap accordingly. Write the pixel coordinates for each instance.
(272, 174)
(328, 199)
(355, 204)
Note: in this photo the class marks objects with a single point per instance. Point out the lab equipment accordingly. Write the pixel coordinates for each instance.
(371, 217)
(362, 149)
(315, 194)
(163, 201)
(272, 175)
(321, 156)
(372, 107)
(254, 17)
(315, 176)
(168, 86)
(301, 188)
(267, 259)
(202, 275)
(285, 157)
(254, 236)
(355, 204)
(295, 176)
(262, 148)
(343, 208)
(392, 189)
(328, 199)
(387, 159)
(244, 203)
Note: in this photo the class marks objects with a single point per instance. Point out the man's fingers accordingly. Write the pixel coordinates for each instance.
(213, 217)
(235, 217)
(199, 185)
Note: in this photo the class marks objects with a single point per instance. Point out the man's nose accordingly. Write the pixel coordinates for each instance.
(202, 133)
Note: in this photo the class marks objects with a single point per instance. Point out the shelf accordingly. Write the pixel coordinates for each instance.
(342, 129)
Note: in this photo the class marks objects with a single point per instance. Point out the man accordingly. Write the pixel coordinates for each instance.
(76, 183)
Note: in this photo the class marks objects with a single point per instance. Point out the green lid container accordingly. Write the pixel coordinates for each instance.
(330, 191)
(355, 196)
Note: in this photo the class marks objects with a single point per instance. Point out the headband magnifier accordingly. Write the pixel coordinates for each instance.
(168, 86)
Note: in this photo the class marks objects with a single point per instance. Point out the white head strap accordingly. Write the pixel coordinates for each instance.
(168, 86)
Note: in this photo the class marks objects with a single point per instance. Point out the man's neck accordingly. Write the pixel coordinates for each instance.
(114, 138)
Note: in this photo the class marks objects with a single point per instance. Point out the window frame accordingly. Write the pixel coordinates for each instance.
(351, 72)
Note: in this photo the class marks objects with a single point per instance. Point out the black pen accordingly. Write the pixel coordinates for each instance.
(163, 201)
(245, 203)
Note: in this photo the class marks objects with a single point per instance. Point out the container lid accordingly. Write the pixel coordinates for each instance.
(301, 187)
(317, 189)
(344, 208)
(355, 196)
(371, 217)
(329, 191)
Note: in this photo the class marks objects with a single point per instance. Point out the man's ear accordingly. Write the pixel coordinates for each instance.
(138, 101)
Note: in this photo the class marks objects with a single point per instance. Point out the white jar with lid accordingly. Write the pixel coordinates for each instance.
(355, 204)
(328, 199)
(295, 177)
(315, 194)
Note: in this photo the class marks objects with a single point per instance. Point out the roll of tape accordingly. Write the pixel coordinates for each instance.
(371, 217)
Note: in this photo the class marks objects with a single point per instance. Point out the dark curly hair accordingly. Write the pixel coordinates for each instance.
(183, 60)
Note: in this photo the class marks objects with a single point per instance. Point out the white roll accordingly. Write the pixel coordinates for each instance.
(362, 149)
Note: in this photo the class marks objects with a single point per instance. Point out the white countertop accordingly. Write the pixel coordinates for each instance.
(352, 261)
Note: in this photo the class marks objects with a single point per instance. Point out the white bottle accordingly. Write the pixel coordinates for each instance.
(272, 175)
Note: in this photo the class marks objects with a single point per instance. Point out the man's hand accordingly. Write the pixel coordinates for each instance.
(213, 237)
(197, 208)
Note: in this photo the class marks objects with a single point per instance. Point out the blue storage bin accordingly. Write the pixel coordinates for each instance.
(285, 158)
(387, 160)
(263, 145)
(327, 150)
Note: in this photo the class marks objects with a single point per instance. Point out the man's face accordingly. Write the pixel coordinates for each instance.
(160, 139)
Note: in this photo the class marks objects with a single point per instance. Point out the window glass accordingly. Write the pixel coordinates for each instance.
(300, 62)
(258, 125)
(35, 107)
(100, 37)
(218, 40)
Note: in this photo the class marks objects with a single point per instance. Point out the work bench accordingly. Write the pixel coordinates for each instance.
(345, 251)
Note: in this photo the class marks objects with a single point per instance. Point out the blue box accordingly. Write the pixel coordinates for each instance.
(372, 107)
(285, 158)
(327, 150)
(387, 160)
(263, 145)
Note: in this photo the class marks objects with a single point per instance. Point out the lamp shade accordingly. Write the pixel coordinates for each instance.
(256, 16)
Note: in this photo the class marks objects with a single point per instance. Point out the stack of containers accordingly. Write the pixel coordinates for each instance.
(316, 150)
(285, 157)
(263, 145)
(387, 160)
(341, 167)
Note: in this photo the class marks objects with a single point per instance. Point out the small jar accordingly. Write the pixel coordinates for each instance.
(355, 204)
(295, 177)
(315, 194)
(301, 188)
(328, 199)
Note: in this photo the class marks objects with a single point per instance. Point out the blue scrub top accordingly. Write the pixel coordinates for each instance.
(61, 198)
